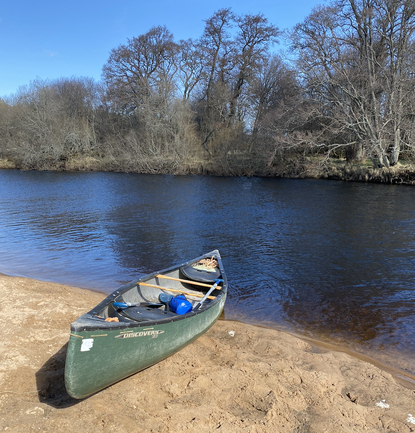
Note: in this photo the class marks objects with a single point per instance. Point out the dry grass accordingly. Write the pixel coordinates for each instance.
(315, 167)
(339, 169)
(6, 164)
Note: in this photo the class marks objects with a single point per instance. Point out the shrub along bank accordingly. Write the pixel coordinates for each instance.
(307, 168)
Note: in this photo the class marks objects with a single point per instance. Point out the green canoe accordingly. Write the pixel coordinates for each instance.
(136, 326)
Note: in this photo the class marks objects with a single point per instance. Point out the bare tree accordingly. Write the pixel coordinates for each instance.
(233, 49)
(55, 122)
(352, 57)
(190, 67)
(254, 36)
(274, 86)
(140, 81)
(143, 80)
(216, 46)
(142, 70)
(397, 29)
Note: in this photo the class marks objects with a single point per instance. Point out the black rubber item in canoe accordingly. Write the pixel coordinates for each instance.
(201, 275)
(142, 314)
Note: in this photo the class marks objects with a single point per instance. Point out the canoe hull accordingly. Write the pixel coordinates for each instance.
(97, 358)
(131, 351)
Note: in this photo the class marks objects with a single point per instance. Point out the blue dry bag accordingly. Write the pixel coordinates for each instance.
(180, 305)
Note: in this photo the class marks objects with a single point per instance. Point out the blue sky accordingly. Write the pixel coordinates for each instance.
(52, 39)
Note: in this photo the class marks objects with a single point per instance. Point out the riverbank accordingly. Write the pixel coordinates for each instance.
(302, 168)
(339, 169)
(235, 378)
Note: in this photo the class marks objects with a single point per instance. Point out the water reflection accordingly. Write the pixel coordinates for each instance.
(331, 259)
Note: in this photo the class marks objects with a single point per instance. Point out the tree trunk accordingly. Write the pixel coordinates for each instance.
(394, 157)
(354, 153)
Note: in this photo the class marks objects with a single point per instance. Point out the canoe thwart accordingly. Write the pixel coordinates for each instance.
(198, 295)
(196, 283)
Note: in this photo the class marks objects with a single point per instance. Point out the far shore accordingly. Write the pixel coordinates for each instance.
(235, 378)
(316, 167)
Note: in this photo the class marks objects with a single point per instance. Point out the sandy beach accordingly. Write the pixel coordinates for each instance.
(235, 378)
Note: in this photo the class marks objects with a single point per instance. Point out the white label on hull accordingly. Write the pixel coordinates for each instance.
(86, 345)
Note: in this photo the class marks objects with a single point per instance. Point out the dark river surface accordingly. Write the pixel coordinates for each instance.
(330, 260)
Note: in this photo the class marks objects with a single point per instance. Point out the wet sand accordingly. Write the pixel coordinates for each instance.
(235, 378)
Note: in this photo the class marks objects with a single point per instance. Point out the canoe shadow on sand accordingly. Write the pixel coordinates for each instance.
(50, 382)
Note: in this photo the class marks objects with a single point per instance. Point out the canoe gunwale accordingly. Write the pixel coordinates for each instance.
(92, 321)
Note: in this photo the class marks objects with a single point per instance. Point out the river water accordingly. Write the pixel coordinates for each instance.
(331, 260)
